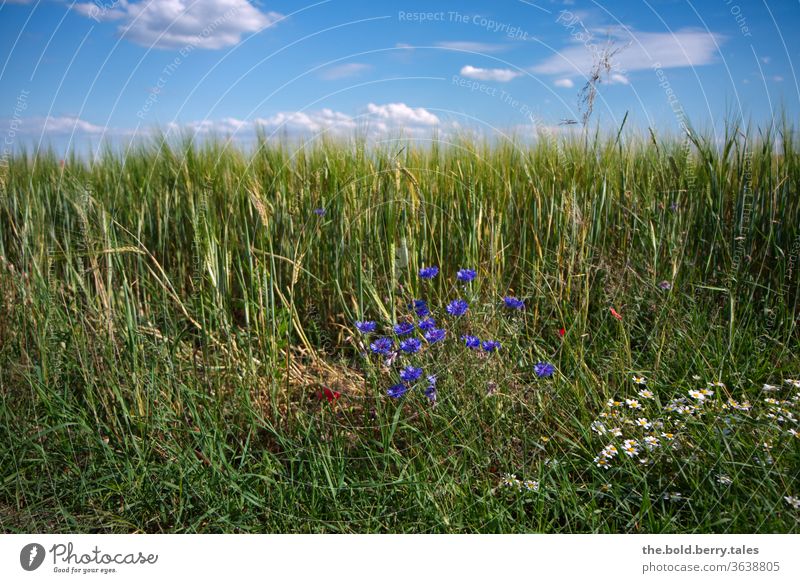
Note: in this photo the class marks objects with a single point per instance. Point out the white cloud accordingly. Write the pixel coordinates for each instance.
(565, 83)
(619, 78)
(400, 114)
(376, 119)
(475, 47)
(57, 125)
(777, 78)
(640, 50)
(170, 24)
(499, 75)
(344, 71)
(311, 122)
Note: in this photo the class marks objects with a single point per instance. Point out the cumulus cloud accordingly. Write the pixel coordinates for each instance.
(344, 71)
(374, 118)
(640, 50)
(311, 122)
(170, 24)
(499, 75)
(565, 83)
(56, 125)
(401, 114)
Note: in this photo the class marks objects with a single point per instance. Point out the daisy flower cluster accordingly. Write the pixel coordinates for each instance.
(633, 428)
(411, 346)
(512, 482)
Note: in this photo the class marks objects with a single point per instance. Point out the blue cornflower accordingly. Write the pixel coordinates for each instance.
(466, 275)
(382, 345)
(427, 324)
(513, 303)
(403, 328)
(420, 308)
(430, 390)
(366, 326)
(409, 374)
(435, 335)
(320, 212)
(544, 369)
(410, 345)
(457, 308)
(429, 272)
(397, 391)
(471, 341)
(490, 345)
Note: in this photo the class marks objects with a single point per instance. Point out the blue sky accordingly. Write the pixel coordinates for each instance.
(74, 73)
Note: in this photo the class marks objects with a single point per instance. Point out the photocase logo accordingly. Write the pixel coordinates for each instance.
(31, 556)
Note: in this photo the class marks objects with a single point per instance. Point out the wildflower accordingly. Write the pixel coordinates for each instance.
(420, 308)
(328, 394)
(665, 285)
(613, 403)
(668, 436)
(602, 462)
(490, 345)
(724, 480)
(435, 335)
(638, 380)
(793, 501)
(633, 403)
(651, 442)
(707, 392)
(795, 383)
(697, 395)
(643, 422)
(561, 332)
(544, 438)
(430, 390)
(794, 433)
(403, 328)
(397, 391)
(646, 394)
(719, 384)
(427, 324)
(429, 272)
(544, 369)
(466, 275)
(457, 308)
(409, 374)
(673, 496)
(598, 427)
(630, 447)
(320, 212)
(491, 388)
(695, 377)
(617, 315)
(366, 326)
(513, 303)
(531, 485)
(382, 345)
(609, 451)
(616, 432)
(511, 481)
(410, 345)
(767, 387)
(471, 341)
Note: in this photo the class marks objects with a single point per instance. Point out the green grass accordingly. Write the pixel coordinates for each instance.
(167, 317)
